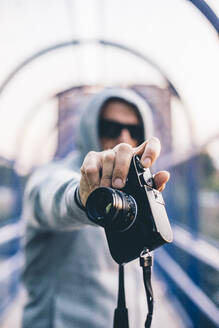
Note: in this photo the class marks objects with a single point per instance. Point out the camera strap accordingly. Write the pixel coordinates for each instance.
(121, 312)
(146, 264)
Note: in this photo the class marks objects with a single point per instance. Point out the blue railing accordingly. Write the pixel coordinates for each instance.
(198, 308)
(11, 263)
(190, 265)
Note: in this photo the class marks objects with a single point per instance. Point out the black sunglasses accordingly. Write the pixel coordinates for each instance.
(112, 129)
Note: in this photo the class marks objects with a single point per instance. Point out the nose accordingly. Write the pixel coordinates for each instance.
(125, 136)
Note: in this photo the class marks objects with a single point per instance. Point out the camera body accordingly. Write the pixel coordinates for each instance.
(134, 218)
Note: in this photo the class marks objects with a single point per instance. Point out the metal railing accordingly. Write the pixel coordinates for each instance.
(11, 263)
(198, 308)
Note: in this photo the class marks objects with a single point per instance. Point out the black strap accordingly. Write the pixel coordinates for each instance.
(146, 264)
(121, 312)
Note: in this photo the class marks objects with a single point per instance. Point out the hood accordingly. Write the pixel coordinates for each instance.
(88, 138)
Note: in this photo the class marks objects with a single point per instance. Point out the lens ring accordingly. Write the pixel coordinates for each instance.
(111, 208)
(129, 211)
(97, 205)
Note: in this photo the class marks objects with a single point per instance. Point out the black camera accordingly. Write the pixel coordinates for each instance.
(134, 218)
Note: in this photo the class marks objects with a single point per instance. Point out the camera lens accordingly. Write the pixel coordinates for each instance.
(111, 208)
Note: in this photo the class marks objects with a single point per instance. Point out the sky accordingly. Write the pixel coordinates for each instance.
(172, 32)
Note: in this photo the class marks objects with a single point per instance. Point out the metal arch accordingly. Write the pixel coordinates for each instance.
(201, 5)
(102, 42)
(208, 12)
(84, 42)
(142, 57)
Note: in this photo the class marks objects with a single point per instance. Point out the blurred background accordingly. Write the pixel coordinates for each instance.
(56, 53)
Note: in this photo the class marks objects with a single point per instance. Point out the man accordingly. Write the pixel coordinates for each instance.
(70, 276)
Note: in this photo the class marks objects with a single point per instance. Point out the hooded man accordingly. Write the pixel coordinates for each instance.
(70, 277)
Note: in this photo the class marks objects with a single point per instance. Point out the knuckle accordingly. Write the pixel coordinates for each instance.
(151, 152)
(106, 177)
(119, 173)
(91, 154)
(124, 147)
(91, 170)
(154, 139)
(106, 181)
(154, 146)
(109, 156)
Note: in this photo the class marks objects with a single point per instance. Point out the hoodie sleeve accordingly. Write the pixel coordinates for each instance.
(49, 200)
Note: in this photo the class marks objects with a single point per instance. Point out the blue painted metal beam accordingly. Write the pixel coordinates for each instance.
(192, 292)
(196, 247)
(208, 12)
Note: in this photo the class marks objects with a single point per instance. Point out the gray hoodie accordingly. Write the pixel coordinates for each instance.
(70, 277)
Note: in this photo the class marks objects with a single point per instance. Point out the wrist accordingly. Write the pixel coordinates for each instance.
(78, 199)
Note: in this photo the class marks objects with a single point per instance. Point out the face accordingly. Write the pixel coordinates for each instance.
(119, 113)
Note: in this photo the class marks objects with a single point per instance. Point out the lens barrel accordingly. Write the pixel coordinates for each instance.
(111, 208)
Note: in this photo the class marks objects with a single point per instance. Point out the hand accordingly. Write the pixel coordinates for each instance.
(109, 168)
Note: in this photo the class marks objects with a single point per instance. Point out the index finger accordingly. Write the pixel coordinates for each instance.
(123, 158)
(91, 169)
(149, 151)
